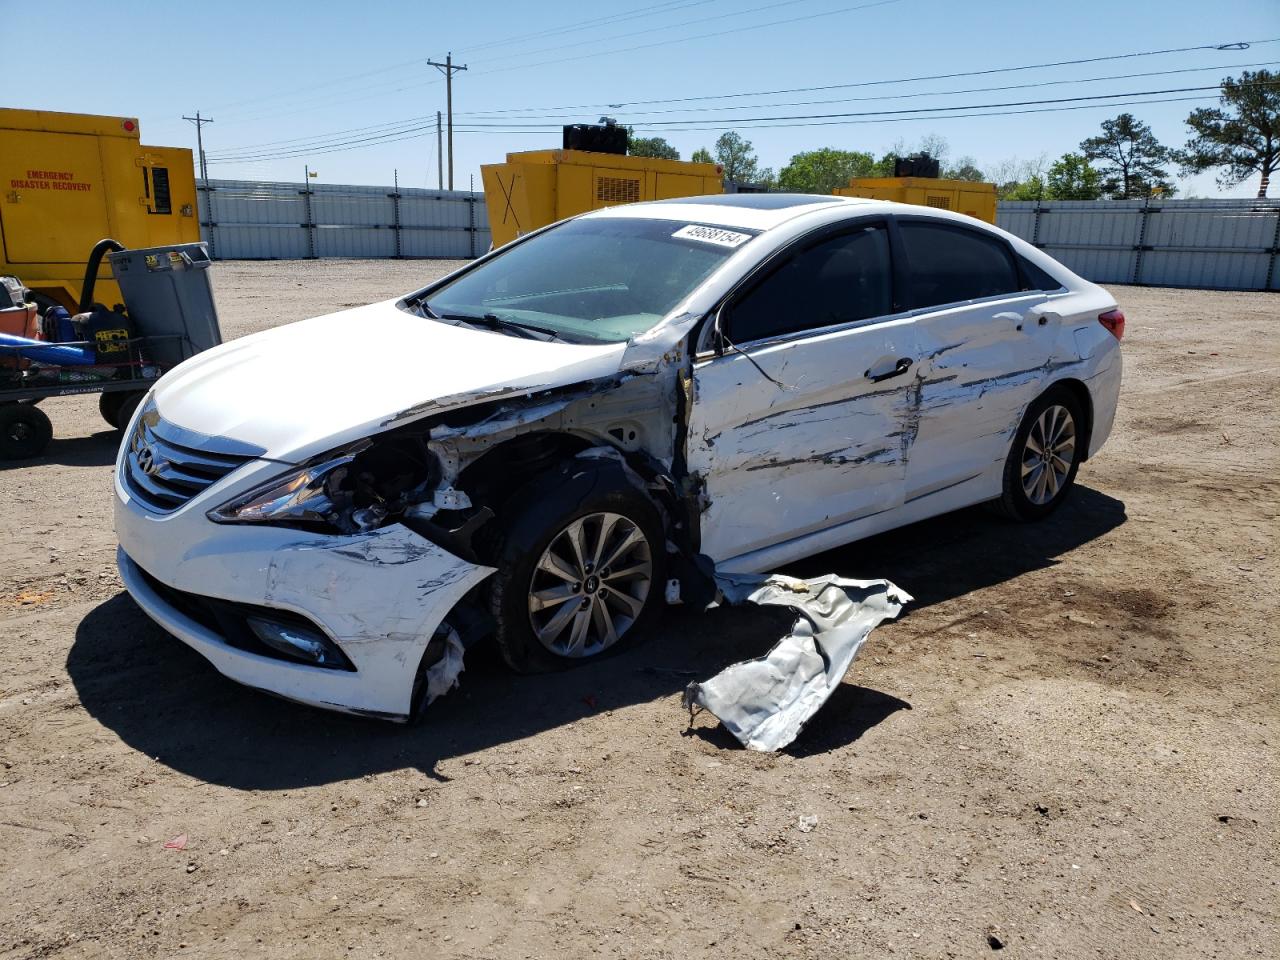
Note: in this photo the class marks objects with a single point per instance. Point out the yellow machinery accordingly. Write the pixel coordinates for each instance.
(69, 179)
(962, 196)
(538, 187)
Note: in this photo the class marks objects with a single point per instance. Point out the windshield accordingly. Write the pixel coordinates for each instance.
(589, 280)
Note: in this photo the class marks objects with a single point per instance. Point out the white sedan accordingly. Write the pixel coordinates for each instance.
(551, 443)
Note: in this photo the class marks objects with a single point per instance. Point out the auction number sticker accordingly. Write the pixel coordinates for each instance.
(722, 238)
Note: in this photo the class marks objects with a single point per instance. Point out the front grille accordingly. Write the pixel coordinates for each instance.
(165, 465)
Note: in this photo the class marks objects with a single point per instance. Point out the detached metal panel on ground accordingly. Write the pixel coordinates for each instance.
(1211, 244)
(248, 220)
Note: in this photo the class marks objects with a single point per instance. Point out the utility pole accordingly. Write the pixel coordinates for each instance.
(200, 121)
(439, 153)
(448, 68)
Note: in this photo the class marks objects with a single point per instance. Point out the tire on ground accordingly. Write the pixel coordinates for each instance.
(25, 431)
(534, 517)
(1013, 502)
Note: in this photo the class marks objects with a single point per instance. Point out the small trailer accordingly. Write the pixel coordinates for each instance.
(168, 315)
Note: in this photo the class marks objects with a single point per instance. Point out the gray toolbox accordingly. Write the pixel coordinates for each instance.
(169, 295)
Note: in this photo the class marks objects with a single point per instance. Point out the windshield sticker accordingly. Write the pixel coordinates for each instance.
(722, 238)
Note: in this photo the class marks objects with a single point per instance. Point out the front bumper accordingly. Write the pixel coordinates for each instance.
(379, 596)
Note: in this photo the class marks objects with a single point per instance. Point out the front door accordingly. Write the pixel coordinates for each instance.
(797, 425)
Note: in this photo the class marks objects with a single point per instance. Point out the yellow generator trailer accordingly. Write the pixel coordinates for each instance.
(962, 196)
(69, 179)
(538, 187)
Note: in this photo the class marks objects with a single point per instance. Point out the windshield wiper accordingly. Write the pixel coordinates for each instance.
(420, 305)
(491, 321)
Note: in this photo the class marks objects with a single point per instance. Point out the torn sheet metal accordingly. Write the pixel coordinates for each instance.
(766, 702)
(442, 675)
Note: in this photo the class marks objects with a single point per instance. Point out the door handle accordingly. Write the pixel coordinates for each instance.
(899, 368)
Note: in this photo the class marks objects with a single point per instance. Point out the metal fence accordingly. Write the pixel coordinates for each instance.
(1212, 244)
(1216, 244)
(248, 220)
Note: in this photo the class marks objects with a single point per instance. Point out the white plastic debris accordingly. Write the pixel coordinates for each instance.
(766, 702)
(442, 676)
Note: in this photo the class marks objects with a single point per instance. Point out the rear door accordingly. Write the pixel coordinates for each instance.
(984, 348)
(796, 425)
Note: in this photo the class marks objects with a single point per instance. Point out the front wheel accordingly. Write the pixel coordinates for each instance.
(1044, 458)
(580, 567)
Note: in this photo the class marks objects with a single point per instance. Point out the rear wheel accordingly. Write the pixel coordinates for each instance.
(1044, 457)
(580, 567)
(118, 406)
(109, 406)
(25, 430)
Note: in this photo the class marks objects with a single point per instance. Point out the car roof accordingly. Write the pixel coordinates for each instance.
(752, 211)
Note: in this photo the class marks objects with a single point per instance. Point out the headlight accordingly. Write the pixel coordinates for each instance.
(309, 495)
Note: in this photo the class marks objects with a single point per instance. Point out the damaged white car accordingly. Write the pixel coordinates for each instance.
(583, 425)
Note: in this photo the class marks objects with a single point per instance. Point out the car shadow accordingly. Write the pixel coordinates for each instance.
(97, 450)
(165, 701)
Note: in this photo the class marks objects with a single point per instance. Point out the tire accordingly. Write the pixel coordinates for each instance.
(109, 406)
(25, 431)
(554, 611)
(1033, 486)
(128, 405)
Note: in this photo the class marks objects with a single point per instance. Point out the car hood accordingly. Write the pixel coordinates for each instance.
(301, 389)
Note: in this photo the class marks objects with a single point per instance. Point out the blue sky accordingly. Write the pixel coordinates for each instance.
(284, 77)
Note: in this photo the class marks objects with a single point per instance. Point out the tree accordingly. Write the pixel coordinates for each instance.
(1072, 178)
(1242, 137)
(651, 147)
(1017, 179)
(738, 158)
(966, 168)
(821, 171)
(702, 155)
(1130, 159)
(1031, 189)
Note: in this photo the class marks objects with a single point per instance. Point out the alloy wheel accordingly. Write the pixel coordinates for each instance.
(590, 585)
(1048, 454)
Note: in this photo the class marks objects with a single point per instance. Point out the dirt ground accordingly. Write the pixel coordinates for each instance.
(1067, 743)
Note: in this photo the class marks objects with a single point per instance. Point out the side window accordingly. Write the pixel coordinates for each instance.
(948, 264)
(1035, 278)
(840, 280)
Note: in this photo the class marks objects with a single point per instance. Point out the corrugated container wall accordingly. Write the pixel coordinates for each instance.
(1211, 244)
(1217, 244)
(247, 220)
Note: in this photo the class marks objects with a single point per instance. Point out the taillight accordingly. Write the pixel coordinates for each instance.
(1113, 320)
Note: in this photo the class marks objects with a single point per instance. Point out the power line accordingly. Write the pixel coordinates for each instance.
(607, 21)
(768, 121)
(669, 26)
(897, 96)
(396, 126)
(700, 36)
(604, 21)
(845, 122)
(599, 53)
(1239, 45)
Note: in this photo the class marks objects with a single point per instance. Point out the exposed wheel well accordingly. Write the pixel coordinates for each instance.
(500, 472)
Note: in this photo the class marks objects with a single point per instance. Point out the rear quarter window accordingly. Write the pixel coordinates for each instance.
(1035, 278)
(951, 264)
